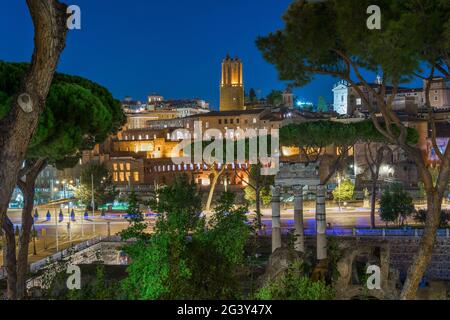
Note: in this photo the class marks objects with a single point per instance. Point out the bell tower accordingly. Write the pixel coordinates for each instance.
(232, 85)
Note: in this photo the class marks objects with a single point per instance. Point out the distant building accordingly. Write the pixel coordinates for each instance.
(340, 92)
(288, 98)
(232, 85)
(130, 106)
(154, 98)
(439, 93)
(347, 100)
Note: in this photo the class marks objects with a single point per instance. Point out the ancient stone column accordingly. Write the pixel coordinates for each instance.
(299, 244)
(321, 223)
(276, 218)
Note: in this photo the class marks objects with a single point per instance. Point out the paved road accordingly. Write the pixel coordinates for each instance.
(359, 217)
(82, 230)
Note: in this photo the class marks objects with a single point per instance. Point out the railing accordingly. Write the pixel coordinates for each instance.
(38, 265)
(360, 232)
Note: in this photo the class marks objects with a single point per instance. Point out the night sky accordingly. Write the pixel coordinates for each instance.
(173, 47)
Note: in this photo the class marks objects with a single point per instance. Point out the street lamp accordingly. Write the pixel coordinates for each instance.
(64, 183)
(225, 183)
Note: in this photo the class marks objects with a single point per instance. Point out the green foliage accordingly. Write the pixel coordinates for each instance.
(319, 134)
(344, 191)
(250, 195)
(275, 98)
(103, 190)
(217, 252)
(322, 105)
(252, 95)
(78, 114)
(317, 33)
(180, 204)
(293, 285)
(227, 229)
(421, 216)
(396, 205)
(98, 289)
(187, 257)
(137, 227)
(334, 255)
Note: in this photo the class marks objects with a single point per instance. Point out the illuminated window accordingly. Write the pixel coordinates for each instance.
(136, 176)
(121, 167)
(115, 166)
(116, 177)
(122, 177)
(128, 167)
(128, 176)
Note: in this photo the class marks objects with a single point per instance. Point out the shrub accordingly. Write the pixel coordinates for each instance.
(396, 205)
(187, 257)
(421, 216)
(293, 285)
(344, 191)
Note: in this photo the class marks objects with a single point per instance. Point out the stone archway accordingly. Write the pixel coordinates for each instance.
(353, 265)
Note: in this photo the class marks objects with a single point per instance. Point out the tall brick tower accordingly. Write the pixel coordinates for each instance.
(232, 85)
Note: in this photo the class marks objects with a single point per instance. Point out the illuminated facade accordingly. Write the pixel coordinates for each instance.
(232, 85)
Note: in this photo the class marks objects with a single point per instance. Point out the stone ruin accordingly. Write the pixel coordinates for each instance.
(352, 267)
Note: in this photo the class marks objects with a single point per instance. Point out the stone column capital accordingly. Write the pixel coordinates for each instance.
(276, 190)
(298, 189)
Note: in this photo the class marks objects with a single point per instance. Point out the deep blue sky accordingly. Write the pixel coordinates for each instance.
(173, 47)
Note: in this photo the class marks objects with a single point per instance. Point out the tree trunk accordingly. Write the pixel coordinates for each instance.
(276, 218)
(18, 126)
(298, 219)
(24, 241)
(19, 265)
(258, 207)
(211, 192)
(11, 263)
(423, 255)
(216, 176)
(373, 202)
(321, 223)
